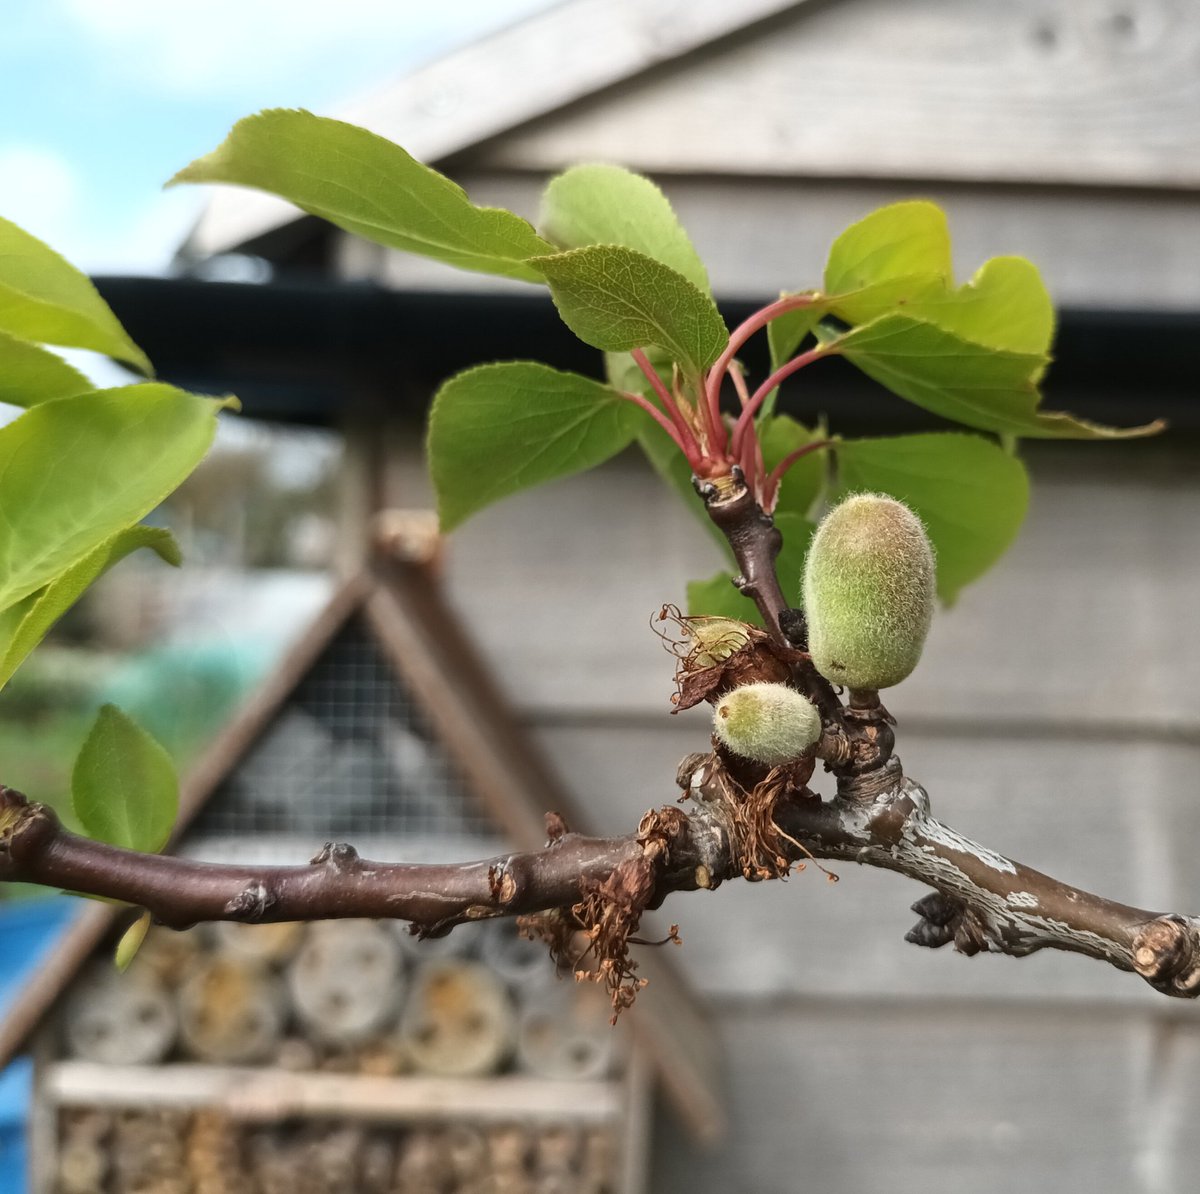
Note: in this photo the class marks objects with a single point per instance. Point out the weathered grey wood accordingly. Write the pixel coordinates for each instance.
(1047, 91)
(502, 81)
(1081, 627)
(1099, 248)
(267, 1095)
(825, 1097)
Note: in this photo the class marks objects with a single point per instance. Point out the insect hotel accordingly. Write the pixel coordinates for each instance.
(348, 1055)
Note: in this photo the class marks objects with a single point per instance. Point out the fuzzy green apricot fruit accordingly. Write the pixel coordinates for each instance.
(766, 723)
(869, 591)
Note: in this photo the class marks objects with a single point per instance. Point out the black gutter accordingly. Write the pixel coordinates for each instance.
(298, 351)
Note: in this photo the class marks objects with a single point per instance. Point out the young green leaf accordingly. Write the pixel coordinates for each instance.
(124, 789)
(671, 465)
(1005, 305)
(803, 483)
(497, 429)
(970, 494)
(46, 299)
(618, 299)
(76, 471)
(24, 625)
(786, 332)
(131, 942)
(608, 205)
(371, 187)
(29, 374)
(889, 258)
(987, 388)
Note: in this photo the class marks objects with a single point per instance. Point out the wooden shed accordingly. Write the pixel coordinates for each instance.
(350, 1055)
(1055, 713)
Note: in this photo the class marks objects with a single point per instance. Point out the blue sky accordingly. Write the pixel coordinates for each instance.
(102, 100)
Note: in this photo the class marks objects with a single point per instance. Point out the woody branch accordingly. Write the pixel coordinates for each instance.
(879, 817)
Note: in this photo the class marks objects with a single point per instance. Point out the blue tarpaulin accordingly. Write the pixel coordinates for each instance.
(29, 931)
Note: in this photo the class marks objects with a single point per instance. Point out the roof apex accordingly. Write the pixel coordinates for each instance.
(482, 90)
(401, 602)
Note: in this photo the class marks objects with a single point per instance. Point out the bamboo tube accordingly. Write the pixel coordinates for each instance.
(119, 1018)
(271, 944)
(458, 1021)
(231, 1012)
(564, 1032)
(523, 964)
(347, 981)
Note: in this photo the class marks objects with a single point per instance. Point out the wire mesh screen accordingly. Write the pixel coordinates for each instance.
(348, 756)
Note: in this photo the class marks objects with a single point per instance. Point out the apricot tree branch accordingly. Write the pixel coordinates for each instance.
(755, 542)
(980, 900)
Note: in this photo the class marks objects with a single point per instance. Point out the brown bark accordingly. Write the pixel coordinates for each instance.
(738, 823)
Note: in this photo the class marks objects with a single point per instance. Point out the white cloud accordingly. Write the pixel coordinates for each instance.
(44, 194)
(39, 189)
(195, 46)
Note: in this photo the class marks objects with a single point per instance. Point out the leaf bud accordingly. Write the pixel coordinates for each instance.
(766, 723)
(869, 590)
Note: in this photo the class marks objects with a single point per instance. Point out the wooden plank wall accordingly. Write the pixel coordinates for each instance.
(1055, 717)
(1092, 92)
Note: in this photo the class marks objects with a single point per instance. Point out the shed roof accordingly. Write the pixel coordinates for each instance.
(504, 80)
(400, 603)
(1066, 131)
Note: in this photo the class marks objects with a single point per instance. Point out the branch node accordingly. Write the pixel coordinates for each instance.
(251, 903)
(338, 856)
(25, 827)
(502, 883)
(1166, 953)
(937, 908)
(556, 828)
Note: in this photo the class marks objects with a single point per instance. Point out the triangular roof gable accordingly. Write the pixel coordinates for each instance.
(434, 659)
(499, 83)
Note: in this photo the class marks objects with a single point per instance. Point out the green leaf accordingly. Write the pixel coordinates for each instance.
(786, 332)
(988, 388)
(123, 788)
(970, 493)
(29, 374)
(1005, 305)
(618, 299)
(369, 186)
(803, 483)
(46, 299)
(75, 471)
(131, 942)
(889, 258)
(24, 625)
(672, 466)
(608, 205)
(497, 429)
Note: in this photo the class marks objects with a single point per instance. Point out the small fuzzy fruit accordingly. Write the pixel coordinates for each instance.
(715, 640)
(869, 589)
(767, 723)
